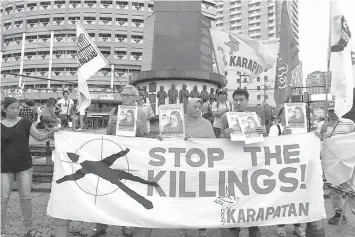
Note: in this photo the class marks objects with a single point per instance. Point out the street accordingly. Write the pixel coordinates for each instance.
(46, 226)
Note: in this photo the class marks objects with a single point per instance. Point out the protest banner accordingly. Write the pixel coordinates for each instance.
(220, 183)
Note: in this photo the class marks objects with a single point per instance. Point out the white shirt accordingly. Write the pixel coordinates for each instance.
(65, 105)
(218, 121)
(149, 113)
(274, 131)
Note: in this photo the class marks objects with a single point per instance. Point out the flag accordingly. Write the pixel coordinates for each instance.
(341, 61)
(287, 58)
(236, 52)
(90, 60)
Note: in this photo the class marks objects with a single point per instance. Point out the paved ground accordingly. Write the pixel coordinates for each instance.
(45, 223)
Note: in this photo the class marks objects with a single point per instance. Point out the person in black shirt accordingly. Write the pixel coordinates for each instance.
(16, 161)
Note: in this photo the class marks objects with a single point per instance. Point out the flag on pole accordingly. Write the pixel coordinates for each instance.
(90, 60)
(341, 61)
(287, 58)
(236, 52)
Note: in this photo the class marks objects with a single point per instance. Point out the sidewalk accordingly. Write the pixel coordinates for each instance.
(45, 223)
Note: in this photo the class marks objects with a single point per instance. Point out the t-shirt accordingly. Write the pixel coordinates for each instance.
(218, 121)
(147, 109)
(15, 150)
(65, 105)
(274, 130)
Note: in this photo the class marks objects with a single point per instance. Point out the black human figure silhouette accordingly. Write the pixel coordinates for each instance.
(102, 169)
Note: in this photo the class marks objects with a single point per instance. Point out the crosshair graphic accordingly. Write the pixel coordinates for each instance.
(92, 168)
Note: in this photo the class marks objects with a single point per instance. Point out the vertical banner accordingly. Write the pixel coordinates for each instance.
(50, 59)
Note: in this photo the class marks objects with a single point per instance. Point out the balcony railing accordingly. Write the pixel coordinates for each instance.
(58, 56)
(120, 57)
(90, 5)
(58, 22)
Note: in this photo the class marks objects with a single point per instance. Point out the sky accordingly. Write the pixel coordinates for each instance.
(314, 30)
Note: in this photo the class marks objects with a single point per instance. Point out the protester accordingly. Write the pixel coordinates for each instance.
(278, 130)
(129, 96)
(240, 103)
(332, 127)
(207, 110)
(16, 161)
(65, 104)
(146, 108)
(196, 127)
(219, 108)
(48, 114)
(27, 110)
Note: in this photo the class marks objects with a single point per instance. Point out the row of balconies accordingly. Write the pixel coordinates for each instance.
(71, 38)
(120, 55)
(59, 21)
(122, 5)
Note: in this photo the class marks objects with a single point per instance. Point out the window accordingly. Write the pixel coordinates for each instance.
(42, 71)
(136, 56)
(258, 97)
(105, 21)
(17, 56)
(58, 21)
(44, 38)
(43, 55)
(258, 88)
(59, 4)
(32, 23)
(121, 72)
(72, 71)
(104, 37)
(31, 6)
(74, 3)
(71, 54)
(20, 8)
(150, 7)
(106, 54)
(8, 10)
(138, 39)
(59, 38)
(137, 22)
(44, 5)
(44, 22)
(29, 71)
(106, 4)
(31, 38)
(88, 20)
(58, 54)
(266, 97)
(72, 20)
(30, 55)
(18, 40)
(6, 57)
(120, 38)
(7, 25)
(90, 3)
(120, 55)
(258, 79)
(121, 21)
(92, 36)
(18, 24)
(238, 80)
(122, 5)
(137, 6)
(58, 71)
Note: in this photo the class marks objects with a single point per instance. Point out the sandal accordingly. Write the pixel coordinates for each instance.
(281, 231)
(33, 233)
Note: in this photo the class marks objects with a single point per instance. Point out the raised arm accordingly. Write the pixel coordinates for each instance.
(112, 158)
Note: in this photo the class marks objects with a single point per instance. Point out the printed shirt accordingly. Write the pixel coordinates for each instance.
(28, 113)
(218, 121)
(64, 109)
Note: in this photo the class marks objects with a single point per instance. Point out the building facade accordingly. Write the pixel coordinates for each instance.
(116, 27)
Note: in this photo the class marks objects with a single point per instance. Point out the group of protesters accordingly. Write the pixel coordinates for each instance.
(203, 119)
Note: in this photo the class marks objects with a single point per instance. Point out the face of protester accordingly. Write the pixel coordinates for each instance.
(222, 97)
(140, 100)
(129, 117)
(12, 111)
(162, 88)
(196, 110)
(240, 103)
(66, 95)
(173, 86)
(184, 87)
(174, 121)
(128, 97)
(332, 116)
(282, 118)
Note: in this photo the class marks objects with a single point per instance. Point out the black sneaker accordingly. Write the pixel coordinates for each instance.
(336, 218)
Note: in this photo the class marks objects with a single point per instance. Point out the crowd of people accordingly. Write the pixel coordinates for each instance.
(205, 118)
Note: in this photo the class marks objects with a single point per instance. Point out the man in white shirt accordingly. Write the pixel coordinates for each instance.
(65, 104)
(219, 110)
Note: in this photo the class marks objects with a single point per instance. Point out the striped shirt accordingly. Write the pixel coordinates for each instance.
(343, 127)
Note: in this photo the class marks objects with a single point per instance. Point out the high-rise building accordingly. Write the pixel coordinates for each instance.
(116, 27)
(258, 19)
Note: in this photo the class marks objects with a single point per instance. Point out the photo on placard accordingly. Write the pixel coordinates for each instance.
(296, 115)
(171, 120)
(249, 122)
(233, 123)
(126, 122)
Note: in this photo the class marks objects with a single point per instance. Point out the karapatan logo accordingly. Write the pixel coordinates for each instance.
(233, 44)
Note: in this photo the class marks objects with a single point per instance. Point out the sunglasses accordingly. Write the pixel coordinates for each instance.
(127, 96)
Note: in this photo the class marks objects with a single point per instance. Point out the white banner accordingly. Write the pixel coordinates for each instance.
(220, 183)
(90, 60)
(236, 52)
